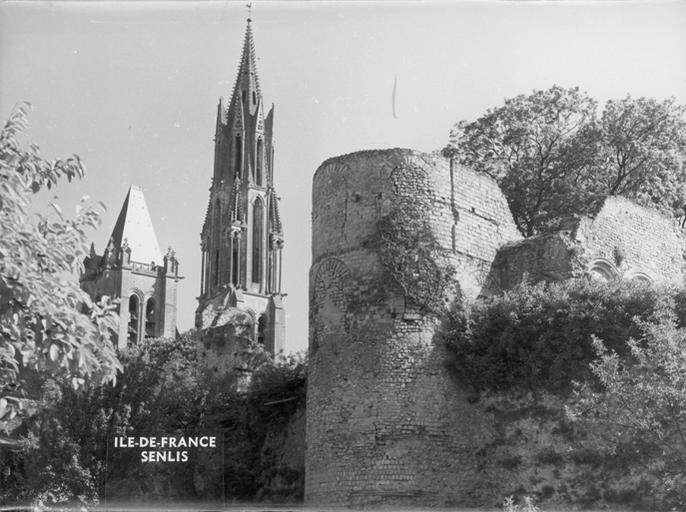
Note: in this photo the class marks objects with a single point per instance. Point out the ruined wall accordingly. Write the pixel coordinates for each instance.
(637, 240)
(622, 241)
(385, 421)
(232, 320)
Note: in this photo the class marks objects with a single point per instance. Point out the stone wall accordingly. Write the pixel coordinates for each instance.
(282, 460)
(622, 241)
(386, 423)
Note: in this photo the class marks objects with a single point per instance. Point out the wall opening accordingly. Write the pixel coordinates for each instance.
(234, 263)
(260, 162)
(216, 268)
(261, 328)
(133, 319)
(257, 244)
(238, 159)
(150, 319)
(601, 270)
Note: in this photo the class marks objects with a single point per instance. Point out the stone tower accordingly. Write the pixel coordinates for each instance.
(242, 237)
(386, 422)
(133, 269)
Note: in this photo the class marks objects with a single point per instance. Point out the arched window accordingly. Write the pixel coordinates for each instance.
(234, 263)
(238, 160)
(260, 162)
(641, 278)
(261, 327)
(216, 268)
(150, 319)
(257, 244)
(254, 98)
(214, 258)
(603, 270)
(133, 319)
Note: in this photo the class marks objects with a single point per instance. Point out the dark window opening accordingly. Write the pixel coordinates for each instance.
(261, 327)
(234, 264)
(243, 96)
(257, 220)
(239, 156)
(150, 320)
(254, 98)
(133, 320)
(260, 162)
(216, 267)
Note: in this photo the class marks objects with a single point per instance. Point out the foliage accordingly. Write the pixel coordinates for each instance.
(540, 337)
(641, 408)
(163, 390)
(68, 458)
(47, 322)
(553, 157)
(642, 152)
(528, 505)
(412, 257)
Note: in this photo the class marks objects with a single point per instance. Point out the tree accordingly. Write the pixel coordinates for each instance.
(641, 406)
(642, 152)
(47, 322)
(553, 157)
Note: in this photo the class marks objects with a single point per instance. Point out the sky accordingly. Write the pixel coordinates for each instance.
(132, 88)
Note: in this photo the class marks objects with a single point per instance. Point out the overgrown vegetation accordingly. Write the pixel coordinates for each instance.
(640, 410)
(585, 382)
(69, 456)
(47, 323)
(554, 156)
(541, 336)
(410, 253)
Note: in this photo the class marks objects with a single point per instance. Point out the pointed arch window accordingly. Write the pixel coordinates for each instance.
(260, 162)
(215, 271)
(133, 319)
(238, 160)
(257, 243)
(254, 98)
(234, 262)
(150, 318)
(261, 328)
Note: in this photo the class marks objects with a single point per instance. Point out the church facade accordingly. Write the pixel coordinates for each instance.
(242, 236)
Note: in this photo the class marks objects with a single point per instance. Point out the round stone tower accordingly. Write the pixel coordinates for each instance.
(386, 422)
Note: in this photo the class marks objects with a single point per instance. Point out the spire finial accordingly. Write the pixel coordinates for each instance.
(249, 6)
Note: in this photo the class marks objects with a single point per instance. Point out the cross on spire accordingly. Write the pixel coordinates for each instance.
(249, 6)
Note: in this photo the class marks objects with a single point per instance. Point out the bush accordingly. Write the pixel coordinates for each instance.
(540, 337)
(161, 391)
(639, 410)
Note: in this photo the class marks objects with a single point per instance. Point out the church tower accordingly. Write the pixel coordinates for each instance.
(133, 269)
(242, 237)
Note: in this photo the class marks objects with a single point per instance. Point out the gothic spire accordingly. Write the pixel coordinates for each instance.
(247, 87)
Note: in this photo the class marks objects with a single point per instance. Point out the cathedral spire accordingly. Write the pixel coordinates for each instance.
(247, 86)
(241, 238)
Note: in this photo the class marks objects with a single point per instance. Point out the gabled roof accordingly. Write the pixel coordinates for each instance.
(134, 226)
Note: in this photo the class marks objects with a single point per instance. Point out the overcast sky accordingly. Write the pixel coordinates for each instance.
(132, 88)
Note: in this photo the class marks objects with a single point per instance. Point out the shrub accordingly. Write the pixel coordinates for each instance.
(639, 410)
(540, 337)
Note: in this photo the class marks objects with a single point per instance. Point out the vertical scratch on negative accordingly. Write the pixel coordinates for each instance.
(395, 89)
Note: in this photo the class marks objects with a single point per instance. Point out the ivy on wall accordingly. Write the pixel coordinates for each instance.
(408, 249)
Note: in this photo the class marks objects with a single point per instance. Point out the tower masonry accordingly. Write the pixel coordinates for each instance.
(242, 237)
(386, 422)
(133, 269)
